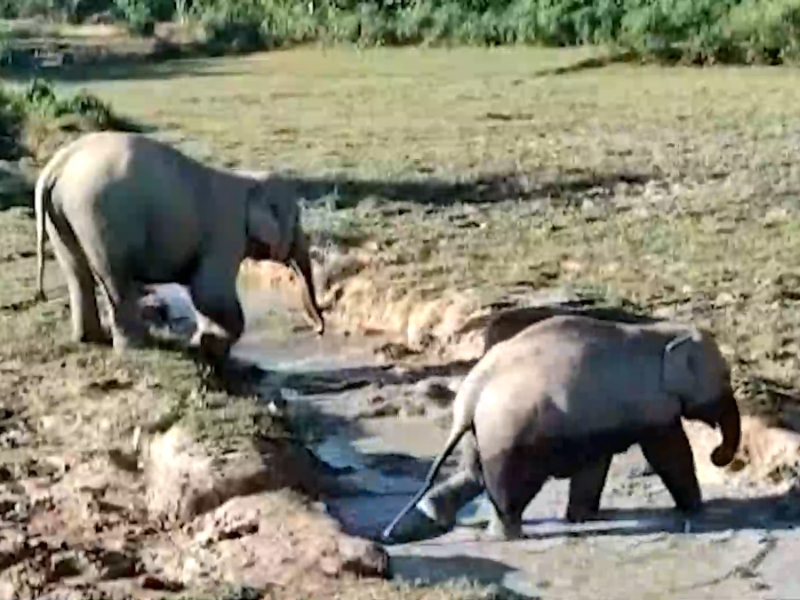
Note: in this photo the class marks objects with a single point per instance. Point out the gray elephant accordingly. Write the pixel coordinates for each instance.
(564, 395)
(124, 210)
(500, 326)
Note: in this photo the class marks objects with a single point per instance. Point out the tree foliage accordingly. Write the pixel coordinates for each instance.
(700, 30)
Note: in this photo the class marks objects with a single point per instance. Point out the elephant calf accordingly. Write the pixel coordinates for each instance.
(123, 211)
(564, 395)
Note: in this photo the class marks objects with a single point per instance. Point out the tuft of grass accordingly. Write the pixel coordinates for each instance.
(35, 120)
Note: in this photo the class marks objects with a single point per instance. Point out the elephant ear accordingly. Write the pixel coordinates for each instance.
(264, 224)
(681, 364)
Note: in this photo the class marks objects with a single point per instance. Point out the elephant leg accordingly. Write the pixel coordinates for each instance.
(86, 326)
(214, 297)
(444, 501)
(108, 263)
(128, 327)
(585, 489)
(669, 453)
(512, 480)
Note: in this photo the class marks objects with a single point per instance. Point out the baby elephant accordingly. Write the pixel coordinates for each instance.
(564, 395)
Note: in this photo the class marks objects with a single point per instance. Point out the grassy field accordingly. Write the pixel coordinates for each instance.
(498, 170)
(492, 171)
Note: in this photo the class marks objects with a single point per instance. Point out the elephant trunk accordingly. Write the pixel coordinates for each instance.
(731, 426)
(300, 262)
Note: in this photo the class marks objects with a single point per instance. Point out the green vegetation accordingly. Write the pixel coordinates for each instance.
(698, 31)
(34, 120)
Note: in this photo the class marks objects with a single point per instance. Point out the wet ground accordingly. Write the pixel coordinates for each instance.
(372, 419)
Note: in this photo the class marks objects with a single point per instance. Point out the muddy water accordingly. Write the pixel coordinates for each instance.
(743, 546)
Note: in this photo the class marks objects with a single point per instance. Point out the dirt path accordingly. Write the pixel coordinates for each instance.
(372, 418)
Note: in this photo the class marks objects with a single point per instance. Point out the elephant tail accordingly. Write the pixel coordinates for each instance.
(455, 436)
(44, 186)
(41, 203)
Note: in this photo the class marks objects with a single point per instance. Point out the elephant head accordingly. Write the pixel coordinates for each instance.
(695, 371)
(274, 233)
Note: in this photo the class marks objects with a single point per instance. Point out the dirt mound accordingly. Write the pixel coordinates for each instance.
(183, 480)
(176, 518)
(354, 302)
(264, 542)
(766, 453)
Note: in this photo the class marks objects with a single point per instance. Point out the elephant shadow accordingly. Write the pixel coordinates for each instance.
(341, 191)
(441, 569)
(780, 511)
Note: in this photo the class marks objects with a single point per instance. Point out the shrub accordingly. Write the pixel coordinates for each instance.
(696, 30)
(38, 104)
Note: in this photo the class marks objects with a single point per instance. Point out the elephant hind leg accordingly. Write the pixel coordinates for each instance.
(669, 453)
(444, 500)
(585, 489)
(86, 325)
(123, 295)
(512, 480)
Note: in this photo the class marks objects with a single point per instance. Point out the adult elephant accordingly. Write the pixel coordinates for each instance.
(123, 211)
(564, 395)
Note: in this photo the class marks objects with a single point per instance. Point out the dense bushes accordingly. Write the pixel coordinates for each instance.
(700, 30)
(31, 114)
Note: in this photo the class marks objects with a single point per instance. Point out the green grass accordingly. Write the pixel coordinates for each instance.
(675, 188)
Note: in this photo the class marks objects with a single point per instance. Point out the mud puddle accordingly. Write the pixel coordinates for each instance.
(740, 547)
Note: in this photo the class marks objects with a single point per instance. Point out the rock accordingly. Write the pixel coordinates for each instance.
(118, 564)
(363, 557)
(412, 408)
(152, 582)
(434, 391)
(65, 566)
(387, 408)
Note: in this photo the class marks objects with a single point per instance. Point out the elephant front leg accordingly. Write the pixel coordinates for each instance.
(222, 319)
(669, 453)
(585, 489)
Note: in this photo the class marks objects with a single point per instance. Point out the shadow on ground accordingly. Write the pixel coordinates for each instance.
(440, 569)
(143, 68)
(345, 192)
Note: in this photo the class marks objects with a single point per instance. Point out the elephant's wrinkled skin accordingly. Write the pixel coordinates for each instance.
(124, 211)
(561, 397)
(506, 324)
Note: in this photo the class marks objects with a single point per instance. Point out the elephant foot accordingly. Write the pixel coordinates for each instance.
(415, 526)
(99, 339)
(122, 343)
(498, 530)
(581, 514)
(691, 509)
